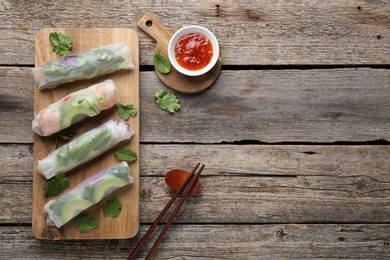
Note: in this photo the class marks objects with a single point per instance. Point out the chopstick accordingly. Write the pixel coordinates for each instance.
(190, 182)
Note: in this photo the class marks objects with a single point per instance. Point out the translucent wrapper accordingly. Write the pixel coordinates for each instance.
(85, 147)
(84, 65)
(75, 107)
(87, 193)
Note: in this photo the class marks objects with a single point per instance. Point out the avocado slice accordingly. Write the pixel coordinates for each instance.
(76, 110)
(73, 207)
(105, 187)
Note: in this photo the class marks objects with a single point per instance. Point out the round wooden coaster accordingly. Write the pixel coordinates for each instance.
(176, 80)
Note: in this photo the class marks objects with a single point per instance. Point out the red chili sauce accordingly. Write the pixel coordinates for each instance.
(193, 51)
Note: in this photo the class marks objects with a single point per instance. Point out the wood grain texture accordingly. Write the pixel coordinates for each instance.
(127, 83)
(265, 105)
(279, 241)
(254, 183)
(263, 32)
(175, 80)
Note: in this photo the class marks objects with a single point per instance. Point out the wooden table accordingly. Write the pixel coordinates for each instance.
(294, 133)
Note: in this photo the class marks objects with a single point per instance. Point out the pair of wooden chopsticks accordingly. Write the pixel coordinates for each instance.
(189, 182)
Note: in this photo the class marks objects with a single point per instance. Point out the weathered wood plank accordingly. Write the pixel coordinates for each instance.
(287, 184)
(216, 242)
(268, 106)
(264, 32)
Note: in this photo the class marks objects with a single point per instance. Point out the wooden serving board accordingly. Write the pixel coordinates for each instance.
(175, 80)
(127, 82)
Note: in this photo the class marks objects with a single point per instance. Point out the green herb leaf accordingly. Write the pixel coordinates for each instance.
(61, 44)
(55, 144)
(85, 223)
(167, 102)
(55, 68)
(126, 111)
(56, 185)
(160, 94)
(112, 208)
(82, 147)
(100, 99)
(63, 135)
(125, 154)
(161, 63)
(66, 134)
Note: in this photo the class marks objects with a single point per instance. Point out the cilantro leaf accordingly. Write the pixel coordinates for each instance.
(112, 208)
(85, 223)
(167, 102)
(126, 111)
(161, 63)
(125, 154)
(61, 44)
(56, 185)
(160, 94)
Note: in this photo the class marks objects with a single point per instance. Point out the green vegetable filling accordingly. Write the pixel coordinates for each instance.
(81, 147)
(87, 62)
(76, 109)
(55, 68)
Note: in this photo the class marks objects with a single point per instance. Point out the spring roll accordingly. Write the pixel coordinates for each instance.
(87, 193)
(75, 107)
(84, 148)
(84, 65)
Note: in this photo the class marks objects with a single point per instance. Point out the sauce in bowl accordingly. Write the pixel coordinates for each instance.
(193, 51)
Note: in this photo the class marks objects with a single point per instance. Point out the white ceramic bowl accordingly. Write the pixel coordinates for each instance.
(192, 29)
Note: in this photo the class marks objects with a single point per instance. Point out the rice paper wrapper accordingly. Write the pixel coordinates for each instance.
(85, 147)
(87, 193)
(84, 65)
(75, 107)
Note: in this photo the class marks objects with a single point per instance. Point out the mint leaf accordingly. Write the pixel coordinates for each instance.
(83, 146)
(125, 154)
(167, 102)
(112, 208)
(56, 185)
(161, 63)
(126, 111)
(61, 44)
(85, 223)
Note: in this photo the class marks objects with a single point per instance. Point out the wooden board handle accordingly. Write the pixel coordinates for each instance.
(152, 26)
